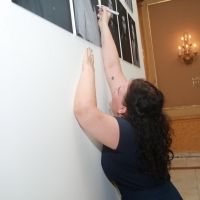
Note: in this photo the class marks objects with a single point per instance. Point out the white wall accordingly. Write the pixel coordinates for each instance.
(44, 154)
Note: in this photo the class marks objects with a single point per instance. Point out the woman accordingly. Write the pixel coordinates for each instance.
(137, 138)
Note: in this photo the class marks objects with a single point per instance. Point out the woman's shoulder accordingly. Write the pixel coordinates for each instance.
(124, 123)
(127, 138)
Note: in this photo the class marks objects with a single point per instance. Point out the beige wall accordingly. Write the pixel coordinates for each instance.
(162, 25)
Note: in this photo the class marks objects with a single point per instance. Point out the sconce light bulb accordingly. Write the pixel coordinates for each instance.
(187, 50)
(195, 49)
(190, 40)
(179, 51)
(183, 43)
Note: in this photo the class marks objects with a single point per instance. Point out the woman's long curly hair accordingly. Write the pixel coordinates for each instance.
(144, 103)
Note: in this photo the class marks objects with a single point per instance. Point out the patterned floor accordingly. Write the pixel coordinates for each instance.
(185, 175)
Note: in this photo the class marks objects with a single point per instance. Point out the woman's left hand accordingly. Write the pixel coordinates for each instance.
(88, 59)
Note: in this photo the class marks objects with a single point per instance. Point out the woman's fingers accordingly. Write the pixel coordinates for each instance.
(88, 59)
(89, 52)
(103, 16)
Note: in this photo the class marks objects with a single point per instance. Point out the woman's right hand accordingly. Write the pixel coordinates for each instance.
(104, 16)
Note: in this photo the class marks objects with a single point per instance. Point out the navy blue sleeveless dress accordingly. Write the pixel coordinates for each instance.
(119, 165)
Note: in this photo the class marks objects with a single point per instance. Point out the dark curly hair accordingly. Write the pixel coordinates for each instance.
(144, 104)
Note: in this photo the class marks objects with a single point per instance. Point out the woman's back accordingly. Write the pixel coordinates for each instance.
(121, 166)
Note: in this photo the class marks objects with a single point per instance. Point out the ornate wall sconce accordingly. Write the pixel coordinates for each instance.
(187, 51)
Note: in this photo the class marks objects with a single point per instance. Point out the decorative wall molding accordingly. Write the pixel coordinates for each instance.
(139, 3)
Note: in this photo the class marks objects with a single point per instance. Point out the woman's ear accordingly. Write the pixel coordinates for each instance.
(122, 110)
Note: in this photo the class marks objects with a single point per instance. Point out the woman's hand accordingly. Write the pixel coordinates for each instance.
(104, 16)
(88, 60)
